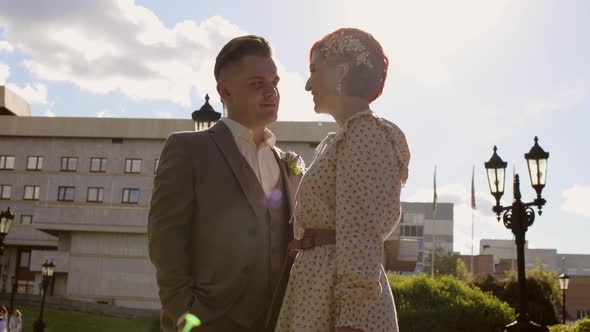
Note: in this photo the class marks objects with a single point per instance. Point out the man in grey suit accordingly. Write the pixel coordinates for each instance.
(219, 219)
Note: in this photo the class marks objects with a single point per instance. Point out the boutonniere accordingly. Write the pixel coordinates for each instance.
(294, 163)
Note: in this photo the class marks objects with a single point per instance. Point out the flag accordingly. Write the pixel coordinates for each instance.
(435, 198)
(473, 189)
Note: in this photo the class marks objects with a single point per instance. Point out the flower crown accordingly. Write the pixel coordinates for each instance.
(342, 43)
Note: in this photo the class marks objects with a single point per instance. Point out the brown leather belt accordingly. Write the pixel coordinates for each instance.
(312, 238)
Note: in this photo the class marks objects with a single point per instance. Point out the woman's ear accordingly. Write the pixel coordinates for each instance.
(342, 71)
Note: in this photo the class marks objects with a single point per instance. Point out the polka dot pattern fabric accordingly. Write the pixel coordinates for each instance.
(353, 187)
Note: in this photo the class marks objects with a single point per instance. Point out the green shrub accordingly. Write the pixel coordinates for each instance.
(581, 325)
(445, 304)
(542, 292)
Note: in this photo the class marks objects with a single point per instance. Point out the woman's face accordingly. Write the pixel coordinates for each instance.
(322, 82)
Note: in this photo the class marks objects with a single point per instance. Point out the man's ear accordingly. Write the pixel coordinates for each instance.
(223, 91)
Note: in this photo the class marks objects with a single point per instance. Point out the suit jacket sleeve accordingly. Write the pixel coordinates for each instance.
(169, 226)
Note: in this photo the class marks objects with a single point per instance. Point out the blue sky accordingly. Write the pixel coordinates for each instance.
(464, 76)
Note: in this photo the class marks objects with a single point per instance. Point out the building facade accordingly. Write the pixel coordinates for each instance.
(80, 189)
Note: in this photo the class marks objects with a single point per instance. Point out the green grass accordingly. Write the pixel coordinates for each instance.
(74, 321)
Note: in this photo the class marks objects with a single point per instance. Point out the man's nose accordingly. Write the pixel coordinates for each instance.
(308, 85)
(272, 91)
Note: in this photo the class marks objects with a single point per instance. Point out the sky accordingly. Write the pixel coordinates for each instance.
(464, 76)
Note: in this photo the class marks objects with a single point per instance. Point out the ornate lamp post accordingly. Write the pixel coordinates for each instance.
(6, 219)
(518, 217)
(206, 116)
(11, 306)
(47, 272)
(4, 278)
(564, 281)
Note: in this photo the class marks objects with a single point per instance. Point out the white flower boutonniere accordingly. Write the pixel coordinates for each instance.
(294, 163)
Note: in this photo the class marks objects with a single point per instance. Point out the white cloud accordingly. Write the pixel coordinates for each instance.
(6, 46)
(165, 115)
(104, 114)
(423, 37)
(109, 46)
(49, 113)
(575, 200)
(4, 73)
(33, 94)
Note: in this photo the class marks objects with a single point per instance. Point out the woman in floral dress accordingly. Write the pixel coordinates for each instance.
(348, 202)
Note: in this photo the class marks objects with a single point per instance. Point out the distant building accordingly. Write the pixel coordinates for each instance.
(502, 255)
(419, 231)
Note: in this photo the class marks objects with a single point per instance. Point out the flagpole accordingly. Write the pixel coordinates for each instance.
(472, 214)
(472, 226)
(433, 251)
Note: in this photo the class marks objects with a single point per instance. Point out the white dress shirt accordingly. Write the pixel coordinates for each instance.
(260, 158)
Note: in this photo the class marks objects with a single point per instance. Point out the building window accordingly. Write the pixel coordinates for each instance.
(130, 196)
(69, 164)
(5, 190)
(412, 230)
(6, 162)
(132, 165)
(26, 219)
(25, 259)
(65, 194)
(95, 194)
(156, 162)
(31, 193)
(98, 165)
(34, 163)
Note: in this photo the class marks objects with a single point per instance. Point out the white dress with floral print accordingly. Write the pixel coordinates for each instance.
(353, 187)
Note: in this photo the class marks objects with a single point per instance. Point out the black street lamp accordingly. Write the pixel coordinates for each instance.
(206, 116)
(564, 281)
(11, 306)
(518, 217)
(6, 219)
(47, 272)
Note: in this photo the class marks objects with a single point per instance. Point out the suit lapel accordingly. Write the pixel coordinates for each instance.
(243, 172)
(286, 183)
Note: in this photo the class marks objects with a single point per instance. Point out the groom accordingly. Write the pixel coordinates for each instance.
(219, 218)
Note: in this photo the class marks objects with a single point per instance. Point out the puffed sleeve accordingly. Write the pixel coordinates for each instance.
(368, 184)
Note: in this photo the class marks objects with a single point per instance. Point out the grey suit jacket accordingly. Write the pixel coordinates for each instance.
(207, 227)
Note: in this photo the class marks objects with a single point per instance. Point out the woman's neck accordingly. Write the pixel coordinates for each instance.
(347, 107)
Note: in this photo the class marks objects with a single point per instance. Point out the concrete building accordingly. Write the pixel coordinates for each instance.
(80, 189)
(420, 231)
(504, 253)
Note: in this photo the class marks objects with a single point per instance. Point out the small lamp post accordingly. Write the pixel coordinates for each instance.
(47, 272)
(518, 217)
(6, 219)
(11, 306)
(4, 278)
(206, 116)
(564, 281)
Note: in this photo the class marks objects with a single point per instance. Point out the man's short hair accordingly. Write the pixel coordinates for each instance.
(239, 47)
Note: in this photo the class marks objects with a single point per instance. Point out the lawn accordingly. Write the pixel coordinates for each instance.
(74, 321)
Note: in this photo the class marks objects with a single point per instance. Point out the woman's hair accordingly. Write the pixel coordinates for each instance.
(17, 313)
(368, 62)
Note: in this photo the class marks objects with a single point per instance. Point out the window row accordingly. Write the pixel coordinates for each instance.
(67, 194)
(70, 164)
(412, 230)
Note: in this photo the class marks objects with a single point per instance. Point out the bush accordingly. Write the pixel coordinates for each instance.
(445, 304)
(581, 325)
(542, 292)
